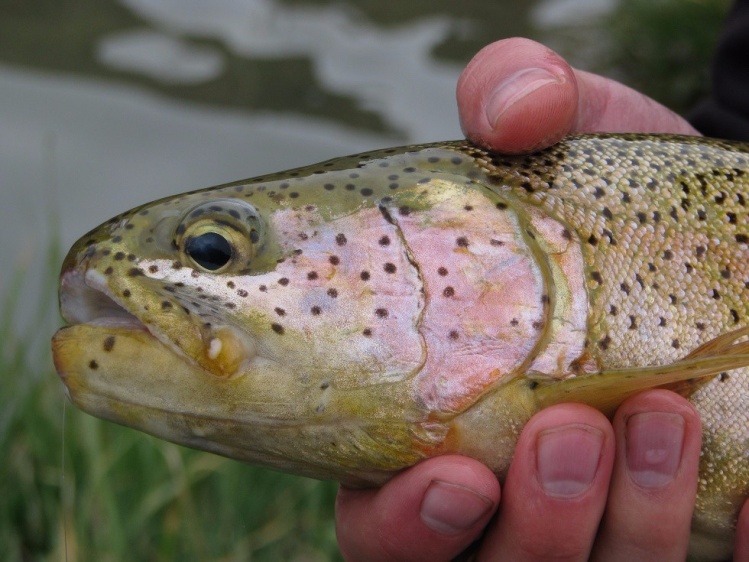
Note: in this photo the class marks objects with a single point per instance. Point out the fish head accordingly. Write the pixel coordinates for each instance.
(262, 320)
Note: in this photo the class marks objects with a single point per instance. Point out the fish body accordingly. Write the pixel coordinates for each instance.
(348, 319)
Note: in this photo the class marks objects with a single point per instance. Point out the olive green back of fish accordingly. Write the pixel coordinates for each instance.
(663, 225)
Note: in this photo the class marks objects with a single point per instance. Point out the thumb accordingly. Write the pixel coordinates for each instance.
(517, 96)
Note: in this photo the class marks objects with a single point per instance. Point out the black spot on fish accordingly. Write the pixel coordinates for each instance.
(367, 332)
(283, 281)
(315, 310)
(453, 335)
(462, 242)
(108, 343)
(332, 293)
(277, 328)
(93, 365)
(340, 239)
(280, 311)
(334, 260)
(605, 342)
(126, 293)
(448, 292)
(381, 312)
(390, 268)
(312, 275)
(384, 241)
(364, 276)
(442, 271)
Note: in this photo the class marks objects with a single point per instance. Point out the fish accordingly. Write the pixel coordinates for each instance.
(348, 319)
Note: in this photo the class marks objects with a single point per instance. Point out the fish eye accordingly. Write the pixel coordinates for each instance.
(210, 251)
(220, 235)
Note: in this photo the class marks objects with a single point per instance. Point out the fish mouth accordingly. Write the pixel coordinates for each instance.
(85, 299)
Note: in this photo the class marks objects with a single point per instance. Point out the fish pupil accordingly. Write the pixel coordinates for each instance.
(210, 250)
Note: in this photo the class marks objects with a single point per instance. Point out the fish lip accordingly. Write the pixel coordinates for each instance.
(85, 299)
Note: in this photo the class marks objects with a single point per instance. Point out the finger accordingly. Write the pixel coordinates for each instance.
(430, 512)
(517, 96)
(653, 487)
(741, 548)
(556, 487)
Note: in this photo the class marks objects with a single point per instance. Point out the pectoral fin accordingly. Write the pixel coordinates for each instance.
(608, 389)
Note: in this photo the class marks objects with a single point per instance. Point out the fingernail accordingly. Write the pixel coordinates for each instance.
(516, 87)
(654, 443)
(450, 508)
(567, 459)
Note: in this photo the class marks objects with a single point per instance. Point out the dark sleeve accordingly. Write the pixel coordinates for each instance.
(725, 114)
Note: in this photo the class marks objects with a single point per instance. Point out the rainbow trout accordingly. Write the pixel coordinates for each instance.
(348, 319)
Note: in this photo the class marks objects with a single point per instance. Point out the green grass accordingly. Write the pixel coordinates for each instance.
(100, 492)
(664, 47)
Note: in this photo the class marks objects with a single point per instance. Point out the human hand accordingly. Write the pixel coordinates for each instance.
(517, 96)
(573, 471)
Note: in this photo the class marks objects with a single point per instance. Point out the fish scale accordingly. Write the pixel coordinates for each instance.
(348, 319)
(687, 283)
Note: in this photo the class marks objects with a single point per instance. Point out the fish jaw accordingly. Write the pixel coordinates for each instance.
(313, 431)
(86, 297)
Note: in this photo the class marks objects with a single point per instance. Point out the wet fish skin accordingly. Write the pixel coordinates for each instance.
(383, 308)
